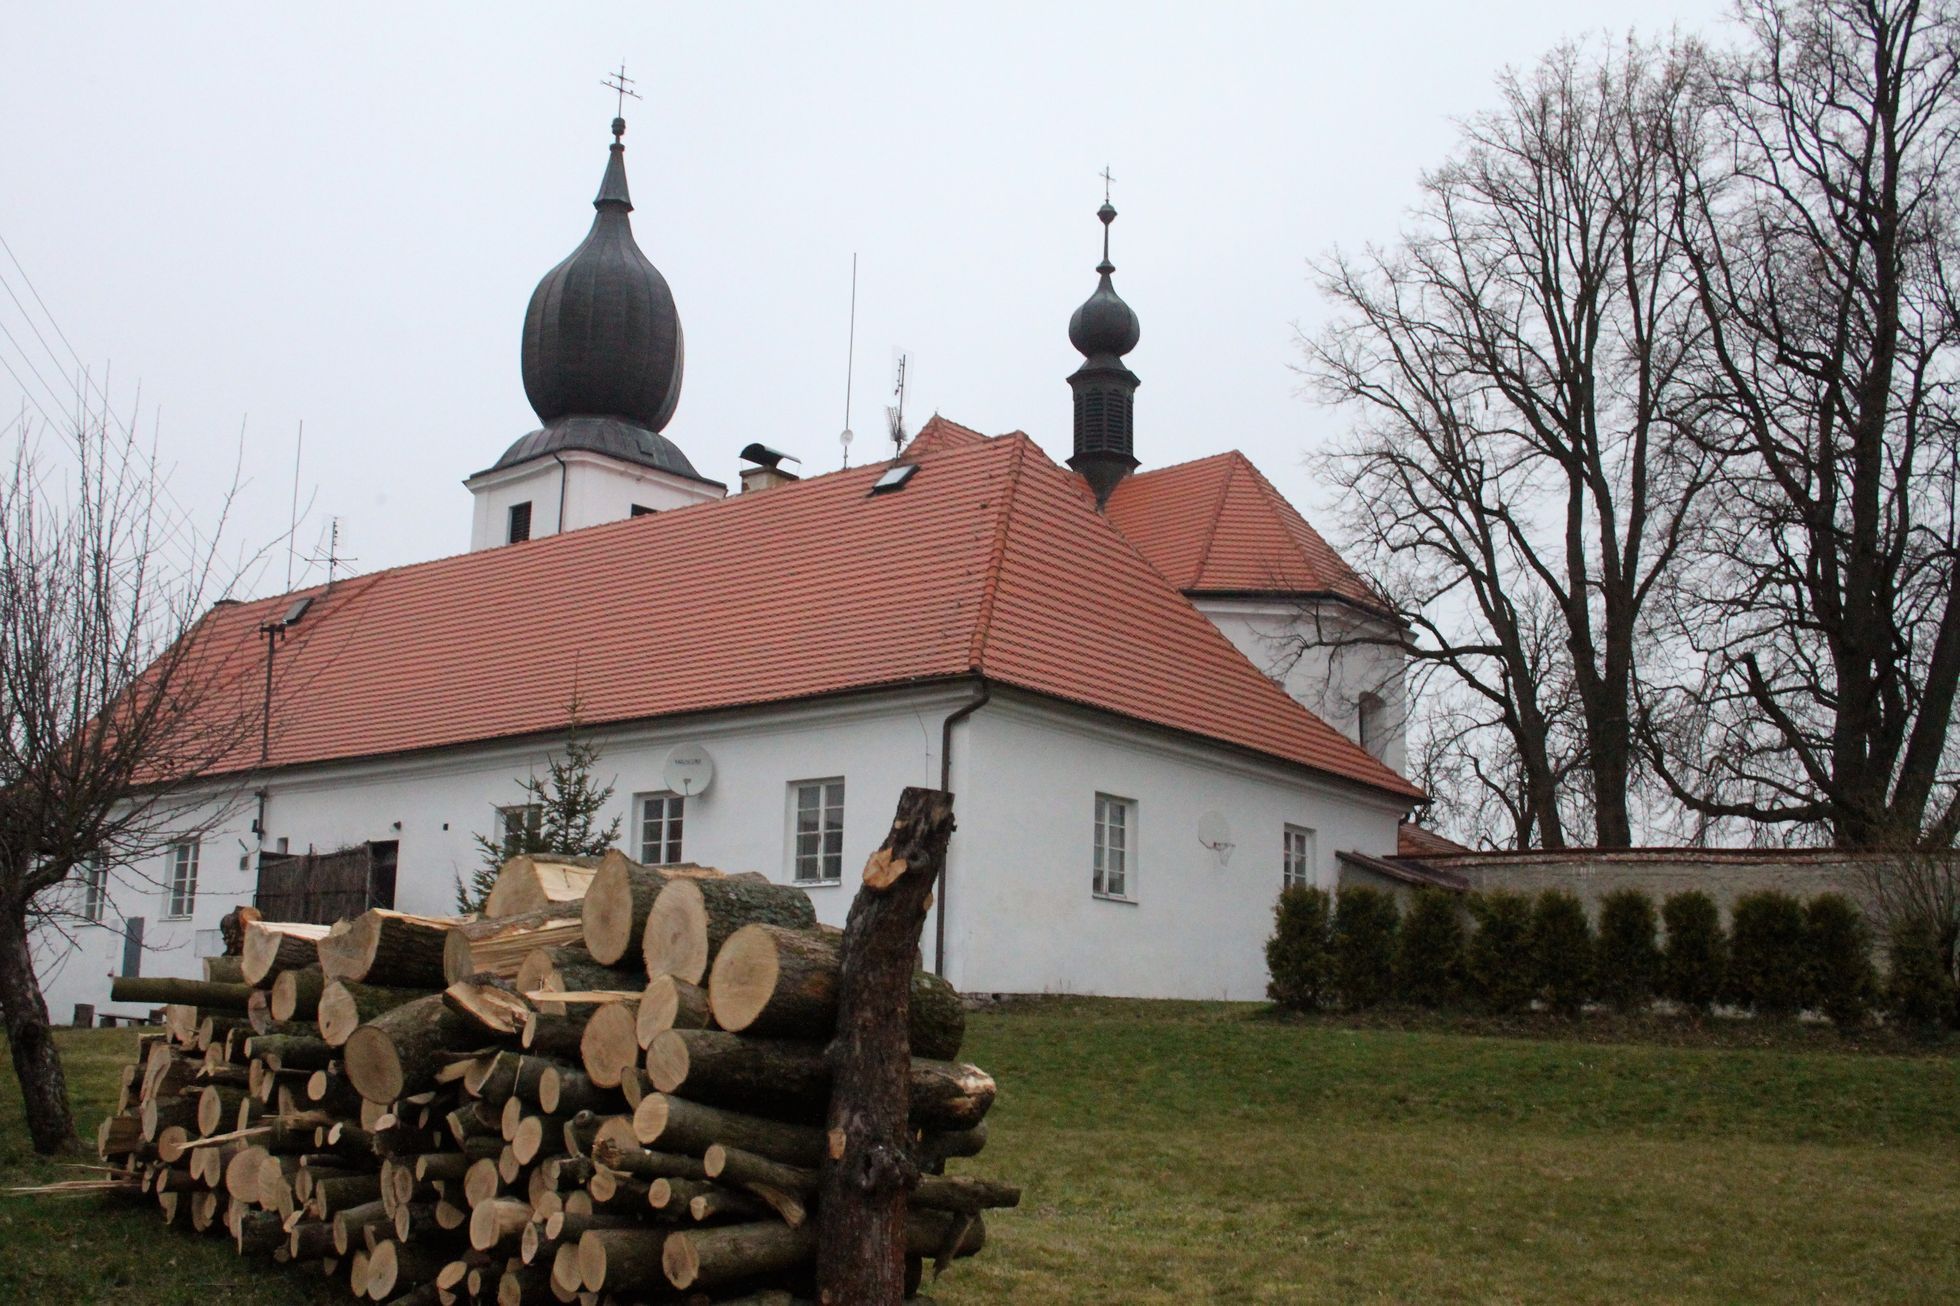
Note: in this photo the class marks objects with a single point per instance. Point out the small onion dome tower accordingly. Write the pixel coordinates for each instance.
(1103, 330)
(603, 352)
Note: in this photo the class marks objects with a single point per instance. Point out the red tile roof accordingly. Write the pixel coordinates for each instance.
(991, 560)
(1414, 841)
(1217, 525)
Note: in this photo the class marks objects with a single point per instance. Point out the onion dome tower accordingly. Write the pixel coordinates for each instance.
(1103, 330)
(602, 357)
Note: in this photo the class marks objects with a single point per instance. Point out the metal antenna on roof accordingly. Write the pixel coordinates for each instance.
(895, 413)
(850, 362)
(292, 525)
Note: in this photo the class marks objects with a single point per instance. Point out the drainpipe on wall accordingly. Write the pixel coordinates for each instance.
(563, 472)
(953, 718)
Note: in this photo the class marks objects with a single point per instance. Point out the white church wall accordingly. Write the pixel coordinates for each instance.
(1022, 916)
(432, 806)
(1298, 645)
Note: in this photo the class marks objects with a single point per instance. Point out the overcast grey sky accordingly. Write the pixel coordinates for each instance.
(271, 213)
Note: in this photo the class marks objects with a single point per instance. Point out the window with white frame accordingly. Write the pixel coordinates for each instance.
(95, 890)
(521, 826)
(183, 878)
(1116, 823)
(661, 815)
(817, 810)
(1297, 858)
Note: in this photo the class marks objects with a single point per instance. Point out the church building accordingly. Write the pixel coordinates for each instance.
(1123, 675)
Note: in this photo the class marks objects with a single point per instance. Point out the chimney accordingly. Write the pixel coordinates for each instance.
(767, 471)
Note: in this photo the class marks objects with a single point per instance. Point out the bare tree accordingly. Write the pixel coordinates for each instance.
(105, 708)
(1822, 605)
(1520, 482)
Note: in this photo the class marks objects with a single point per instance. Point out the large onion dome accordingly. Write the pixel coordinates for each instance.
(603, 352)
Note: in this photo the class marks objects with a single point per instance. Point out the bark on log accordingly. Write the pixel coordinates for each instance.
(563, 1090)
(771, 981)
(792, 1079)
(386, 947)
(272, 947)
(625, 1259)
(711, 1258)
(692, 918)
(160, 991)
(400, 1050)
(868, 1169)
(678, 1125)
(670, 1003)
(552, 1035)
(296, 994)
(225, 970)
(345, 1006)
(290, 1051)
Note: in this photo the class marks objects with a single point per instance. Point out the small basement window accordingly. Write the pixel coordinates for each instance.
(520, 522)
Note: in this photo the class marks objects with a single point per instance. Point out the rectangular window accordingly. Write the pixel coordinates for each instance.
(520, 522)
(1115, 826)
(660, 828)
(521, 826)
(818, 812)
(1296, 865)
(95, 890)
(183, 878)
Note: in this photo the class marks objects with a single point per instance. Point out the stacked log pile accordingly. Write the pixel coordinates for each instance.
(614, 1096)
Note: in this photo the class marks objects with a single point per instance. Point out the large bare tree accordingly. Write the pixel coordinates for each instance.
(1823, 603)
(1519, 481)
(106, 707)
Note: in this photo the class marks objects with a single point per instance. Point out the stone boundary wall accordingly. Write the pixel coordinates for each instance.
(1723, 874)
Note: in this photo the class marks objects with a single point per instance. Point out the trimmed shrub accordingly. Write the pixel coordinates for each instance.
(1561, 951)
(1627, 956)
(1365, 926)
(1429, 962)
(1495, 960)
(1838, 959)
(1766, 954)
(1299, 956)
(1919, 992)
(1695, 962)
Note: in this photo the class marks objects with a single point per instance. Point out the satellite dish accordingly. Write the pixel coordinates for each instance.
(1215, 833)
(689, 770)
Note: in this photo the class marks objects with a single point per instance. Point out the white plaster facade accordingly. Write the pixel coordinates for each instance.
(1020, 913)
(1305, 647)
(573, 489)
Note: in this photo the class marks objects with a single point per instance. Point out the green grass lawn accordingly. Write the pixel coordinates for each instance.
(1175, 1152)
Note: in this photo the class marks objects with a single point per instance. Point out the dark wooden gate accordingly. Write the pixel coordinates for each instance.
(326, 887)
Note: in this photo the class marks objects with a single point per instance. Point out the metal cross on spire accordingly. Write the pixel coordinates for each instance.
(1107, 179)
(623, 85)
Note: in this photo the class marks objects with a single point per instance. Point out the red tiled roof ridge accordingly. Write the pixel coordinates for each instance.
(983, 620)
(1233, 461)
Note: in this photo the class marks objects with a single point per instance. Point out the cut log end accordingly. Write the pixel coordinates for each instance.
(676, 938)
(745, 977)
(372, 1064)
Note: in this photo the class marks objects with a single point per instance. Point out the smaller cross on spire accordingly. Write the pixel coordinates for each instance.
(1107, 179)
(621, 83)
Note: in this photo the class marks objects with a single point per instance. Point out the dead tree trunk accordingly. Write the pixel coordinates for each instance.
(867, 1167)
(37, 1062)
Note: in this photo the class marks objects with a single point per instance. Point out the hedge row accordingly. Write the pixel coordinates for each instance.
(1501, 952)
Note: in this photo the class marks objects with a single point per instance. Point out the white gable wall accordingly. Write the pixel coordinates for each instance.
(1021, 916)
(1299, 645)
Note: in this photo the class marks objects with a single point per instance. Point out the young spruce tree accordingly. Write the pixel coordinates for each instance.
(566, 801)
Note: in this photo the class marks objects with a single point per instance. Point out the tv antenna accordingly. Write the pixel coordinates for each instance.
(895, 413)
(850, 363)
(333, 558)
